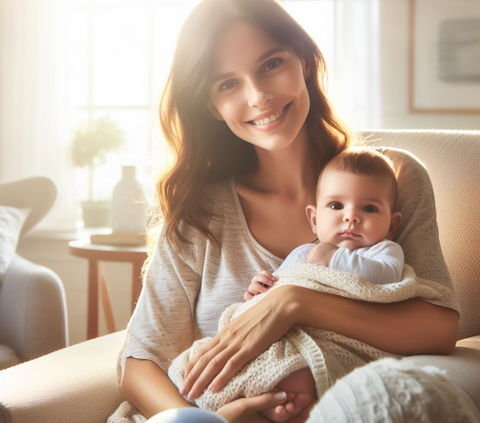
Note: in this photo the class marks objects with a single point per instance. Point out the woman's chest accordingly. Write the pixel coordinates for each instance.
(279, 225)
(225, 280)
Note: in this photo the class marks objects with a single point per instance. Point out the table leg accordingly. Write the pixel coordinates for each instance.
(136, 282)
(92, 322)
(107, 305)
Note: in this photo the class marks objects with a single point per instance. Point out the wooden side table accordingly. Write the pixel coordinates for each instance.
(95, 254)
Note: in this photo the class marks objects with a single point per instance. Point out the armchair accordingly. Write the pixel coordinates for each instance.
(78, 384)
(33, 314)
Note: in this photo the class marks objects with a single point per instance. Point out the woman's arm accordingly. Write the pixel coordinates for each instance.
(148, 388)
(407, 327)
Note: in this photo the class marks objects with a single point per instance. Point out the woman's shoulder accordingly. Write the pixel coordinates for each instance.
(218, 191)
(219, 199)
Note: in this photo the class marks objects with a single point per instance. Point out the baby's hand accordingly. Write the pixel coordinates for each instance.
(260, 283)
(321, 253)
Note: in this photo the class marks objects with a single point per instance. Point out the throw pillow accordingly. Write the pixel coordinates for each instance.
(11, 223)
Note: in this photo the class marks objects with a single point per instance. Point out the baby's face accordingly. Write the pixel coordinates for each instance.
(352, 211)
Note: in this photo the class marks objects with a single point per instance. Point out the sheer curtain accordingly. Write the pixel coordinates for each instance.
(39, 76)
(356, 76)
(32, 117)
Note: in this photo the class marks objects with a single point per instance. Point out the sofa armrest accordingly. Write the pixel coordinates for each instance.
(77, 384)
(472, 342)
(33, 315)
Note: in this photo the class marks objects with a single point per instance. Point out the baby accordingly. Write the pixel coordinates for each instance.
(354, 221)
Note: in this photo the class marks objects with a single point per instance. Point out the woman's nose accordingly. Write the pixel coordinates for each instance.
(258, 94)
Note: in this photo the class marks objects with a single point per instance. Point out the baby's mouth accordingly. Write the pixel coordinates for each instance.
(350, 234)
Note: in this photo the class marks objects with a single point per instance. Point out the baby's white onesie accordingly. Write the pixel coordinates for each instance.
(381, 263)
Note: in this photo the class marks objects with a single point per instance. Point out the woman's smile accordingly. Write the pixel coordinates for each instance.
(270, 121)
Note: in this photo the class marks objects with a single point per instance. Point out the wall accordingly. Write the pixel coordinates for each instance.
(395, 61)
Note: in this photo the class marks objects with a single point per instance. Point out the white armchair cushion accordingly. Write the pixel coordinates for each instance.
(11, 223)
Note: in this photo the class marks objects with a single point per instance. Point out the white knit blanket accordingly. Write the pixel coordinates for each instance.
(395, 391)
(328, 355)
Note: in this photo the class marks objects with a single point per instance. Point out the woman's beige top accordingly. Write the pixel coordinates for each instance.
(184, 294)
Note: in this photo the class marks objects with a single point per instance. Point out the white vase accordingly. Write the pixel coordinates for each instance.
(129, 205)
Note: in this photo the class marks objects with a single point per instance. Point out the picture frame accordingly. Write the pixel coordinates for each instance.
(444, 62)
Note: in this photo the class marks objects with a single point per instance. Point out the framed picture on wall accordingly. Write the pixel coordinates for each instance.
(444, 56)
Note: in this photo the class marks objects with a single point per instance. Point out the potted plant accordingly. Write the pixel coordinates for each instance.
(90, 145)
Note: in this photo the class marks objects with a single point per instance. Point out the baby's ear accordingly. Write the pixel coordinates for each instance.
(213, 111)
(312, 217)
(394, 225)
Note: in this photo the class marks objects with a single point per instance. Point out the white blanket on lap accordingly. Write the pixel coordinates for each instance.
(328, 355)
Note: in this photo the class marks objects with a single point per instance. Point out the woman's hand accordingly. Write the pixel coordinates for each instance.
(238, 342)
(246, 409)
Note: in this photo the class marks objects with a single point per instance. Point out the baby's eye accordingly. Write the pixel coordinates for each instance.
(370, 209)
(227, 85)
(272, 64)
(336, 206)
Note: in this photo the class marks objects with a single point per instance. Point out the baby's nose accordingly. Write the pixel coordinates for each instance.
(351, 217)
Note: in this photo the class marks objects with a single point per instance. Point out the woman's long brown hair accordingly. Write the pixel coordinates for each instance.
(204, 149)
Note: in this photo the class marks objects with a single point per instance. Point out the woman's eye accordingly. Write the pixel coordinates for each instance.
(336, 206)
(370, 209)
(272, 64)
(227, 85)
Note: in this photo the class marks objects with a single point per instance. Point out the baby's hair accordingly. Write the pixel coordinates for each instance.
(364, 161)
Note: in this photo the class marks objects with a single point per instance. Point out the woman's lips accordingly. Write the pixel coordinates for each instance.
(271, 122)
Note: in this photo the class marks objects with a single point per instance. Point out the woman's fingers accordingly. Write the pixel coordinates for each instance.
(205, 370)
(208, 348)
(232, 366)
(244, 407)
(278, 414)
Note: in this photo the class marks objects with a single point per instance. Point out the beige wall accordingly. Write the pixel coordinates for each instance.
(394, 52)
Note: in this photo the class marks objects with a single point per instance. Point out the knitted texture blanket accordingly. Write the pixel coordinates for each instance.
(328, 355)
(395, 391)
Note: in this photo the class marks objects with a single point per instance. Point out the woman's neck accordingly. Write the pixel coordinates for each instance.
(290, 172)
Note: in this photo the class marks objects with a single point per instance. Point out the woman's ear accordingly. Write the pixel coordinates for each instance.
(312, 217)
(213, 111)
(394, 225)
(306, 68)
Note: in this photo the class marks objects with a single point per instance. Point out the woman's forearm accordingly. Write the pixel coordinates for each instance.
(149, 389)
(406, 327)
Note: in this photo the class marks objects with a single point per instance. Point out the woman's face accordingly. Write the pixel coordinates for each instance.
(258, 87)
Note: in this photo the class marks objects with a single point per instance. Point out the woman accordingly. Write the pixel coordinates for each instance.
(246, 115)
